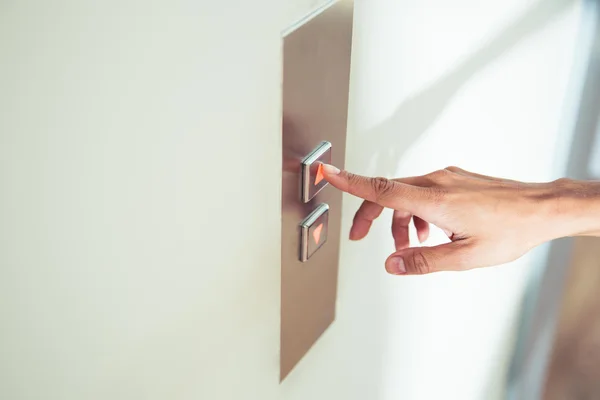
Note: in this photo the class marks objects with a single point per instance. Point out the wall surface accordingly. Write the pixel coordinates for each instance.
(574, 366)
(140, 169)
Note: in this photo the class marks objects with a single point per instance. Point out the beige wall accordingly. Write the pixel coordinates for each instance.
(140, 173)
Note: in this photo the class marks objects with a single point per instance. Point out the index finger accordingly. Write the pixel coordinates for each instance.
(382, 191)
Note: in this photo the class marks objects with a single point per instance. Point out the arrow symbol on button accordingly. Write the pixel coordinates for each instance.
(319, 176)
(317, 233)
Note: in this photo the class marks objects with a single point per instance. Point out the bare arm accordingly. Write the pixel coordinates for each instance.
(489, 220)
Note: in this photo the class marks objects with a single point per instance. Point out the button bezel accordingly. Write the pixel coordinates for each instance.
(310, 164)
(319, 213)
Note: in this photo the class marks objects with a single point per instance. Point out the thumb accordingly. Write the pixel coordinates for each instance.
(453, 256)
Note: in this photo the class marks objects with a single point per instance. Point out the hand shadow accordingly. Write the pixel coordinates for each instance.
(412, 118)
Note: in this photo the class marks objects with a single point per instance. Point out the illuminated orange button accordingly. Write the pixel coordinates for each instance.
(319, 176)
(313, 231)
(313, 177)
(317, 233)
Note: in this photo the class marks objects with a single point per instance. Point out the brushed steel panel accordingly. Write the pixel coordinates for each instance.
(316, 74)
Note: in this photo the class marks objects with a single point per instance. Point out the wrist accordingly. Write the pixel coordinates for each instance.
(575, 208)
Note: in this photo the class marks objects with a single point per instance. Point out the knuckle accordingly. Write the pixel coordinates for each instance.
(353, 179)
(440, 176)
(420, 264)
(562, 183)
(453, 168)
(382, 187)
(356, 183)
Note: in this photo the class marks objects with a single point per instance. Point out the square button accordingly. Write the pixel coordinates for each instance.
(312, 171)
(313, 233)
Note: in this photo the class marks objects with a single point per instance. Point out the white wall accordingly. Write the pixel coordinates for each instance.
(140, 173)
(446, 99)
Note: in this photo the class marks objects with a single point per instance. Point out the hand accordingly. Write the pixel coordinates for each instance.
(489, 221)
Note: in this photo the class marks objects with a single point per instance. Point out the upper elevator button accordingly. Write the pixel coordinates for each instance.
(312, 171)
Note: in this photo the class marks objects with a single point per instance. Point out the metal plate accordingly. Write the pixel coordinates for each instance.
(316, 72)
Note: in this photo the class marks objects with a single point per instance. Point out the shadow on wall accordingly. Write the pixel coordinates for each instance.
(410, 120)
(413, 117)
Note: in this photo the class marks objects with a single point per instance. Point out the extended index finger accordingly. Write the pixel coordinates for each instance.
(382, 191)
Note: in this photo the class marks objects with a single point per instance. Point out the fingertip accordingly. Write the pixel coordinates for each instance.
(422, 228)
(358, 231)
(335, 177)
(330, 170)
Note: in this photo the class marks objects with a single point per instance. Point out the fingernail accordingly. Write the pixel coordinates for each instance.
(330, 169)
(397, 266)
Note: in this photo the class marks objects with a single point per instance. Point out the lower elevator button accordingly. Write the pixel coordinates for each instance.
(313, 231)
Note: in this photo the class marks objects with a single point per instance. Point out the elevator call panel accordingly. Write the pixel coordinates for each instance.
(315, 90)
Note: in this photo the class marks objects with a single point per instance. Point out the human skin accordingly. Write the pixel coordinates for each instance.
(489, 221)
